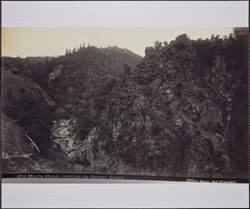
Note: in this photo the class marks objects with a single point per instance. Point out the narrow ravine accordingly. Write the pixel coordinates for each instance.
(63, 134)
(77, 151)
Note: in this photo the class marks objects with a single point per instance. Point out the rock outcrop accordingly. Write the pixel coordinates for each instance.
(175, 114)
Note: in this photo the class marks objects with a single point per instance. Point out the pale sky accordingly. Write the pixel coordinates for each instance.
(24, 42)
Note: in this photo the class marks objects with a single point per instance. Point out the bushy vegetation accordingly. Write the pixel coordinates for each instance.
(183, 110)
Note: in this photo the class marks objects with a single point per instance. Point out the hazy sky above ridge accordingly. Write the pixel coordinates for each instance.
(54, 41)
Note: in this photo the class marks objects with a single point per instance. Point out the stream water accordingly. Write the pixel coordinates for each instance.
(63, 134)
(76, 150)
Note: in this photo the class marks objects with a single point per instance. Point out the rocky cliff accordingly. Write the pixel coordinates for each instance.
(181, 112)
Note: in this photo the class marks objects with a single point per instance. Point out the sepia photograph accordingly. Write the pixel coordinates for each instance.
(152, 103)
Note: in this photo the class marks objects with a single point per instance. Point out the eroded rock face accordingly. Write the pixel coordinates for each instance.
(57, 71)
(173, 114)
(14, 142)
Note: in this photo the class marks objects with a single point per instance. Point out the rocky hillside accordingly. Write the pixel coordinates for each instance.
(37, 91)
(181, 112)
(81, 80)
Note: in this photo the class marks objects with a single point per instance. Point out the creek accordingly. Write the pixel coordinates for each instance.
(76, 150)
